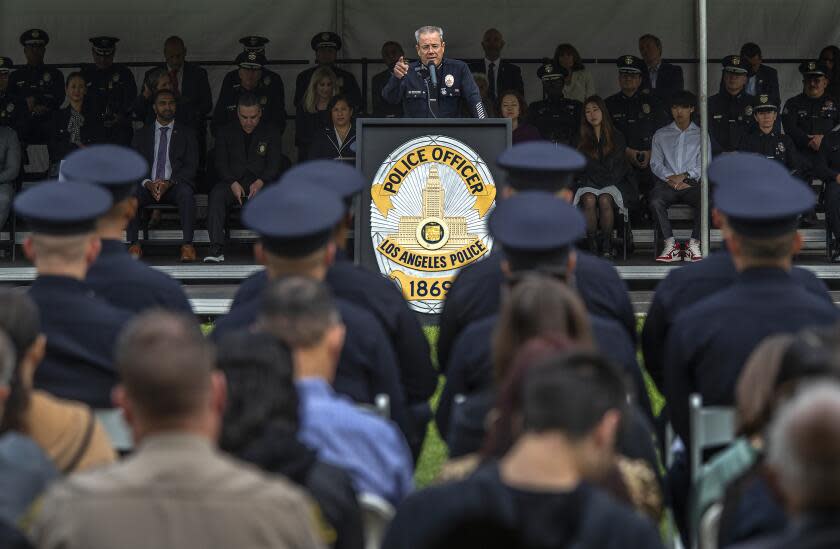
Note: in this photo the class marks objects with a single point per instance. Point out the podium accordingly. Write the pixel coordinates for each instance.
(424, 215)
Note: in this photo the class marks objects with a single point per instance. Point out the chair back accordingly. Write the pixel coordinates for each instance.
(376, 515)
(710, 426)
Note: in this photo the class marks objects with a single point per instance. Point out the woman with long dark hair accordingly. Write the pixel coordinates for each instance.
(605, 184)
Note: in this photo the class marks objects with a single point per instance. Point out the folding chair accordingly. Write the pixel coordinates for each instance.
(710, 427)
(376, 515)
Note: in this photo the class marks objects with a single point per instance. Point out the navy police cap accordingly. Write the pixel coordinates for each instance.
(540, 165)
(536, 221)
(63, 207)
(5, 65)
(735, 63)
(104, 45)
(114, 167)
(550, 71)
(34, 37)
(765, 102)
(630, 64)
(326, 40)
(251, 60)
(338, 177)
(254, 43)
(758, 196)
(293, 218)
(814, 68)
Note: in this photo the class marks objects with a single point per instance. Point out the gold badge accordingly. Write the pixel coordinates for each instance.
(10, 107)
(430, 200)
(47, 77)
(763, 99)
(628, 60)
(549, 69)
(749, 110)
(736, 60)
(645, 108)
(263, 100)
(262, 148)
(812, 66)
(252, 56)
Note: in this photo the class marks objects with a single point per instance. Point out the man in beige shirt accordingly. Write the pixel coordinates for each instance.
(177, 490)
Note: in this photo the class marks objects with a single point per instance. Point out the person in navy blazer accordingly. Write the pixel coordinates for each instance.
(172, 182)
(508, 75)
(660, 77)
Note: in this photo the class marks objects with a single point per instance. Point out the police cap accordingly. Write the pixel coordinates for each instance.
(34, 37)
(104, 45)
(630, 64)
(254, 43)
(5, 65)
(549, 71)
(814, 68)
(736, 64)
(251, 60)
(115, 168)
(294, 218)
(540, 166)
(63, 207)
(764, 102)
(758, 196)
(326, 40)
(338, 177)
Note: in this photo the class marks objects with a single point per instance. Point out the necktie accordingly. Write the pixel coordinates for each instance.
(173, 79)
(160, 167)
(491, 77)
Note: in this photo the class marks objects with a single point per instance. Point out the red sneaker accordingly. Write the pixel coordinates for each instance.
(670, 253)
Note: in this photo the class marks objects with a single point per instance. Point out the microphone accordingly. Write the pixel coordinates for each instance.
(433, 74)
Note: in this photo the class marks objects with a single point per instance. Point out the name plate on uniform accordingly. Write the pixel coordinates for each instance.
(432, 189)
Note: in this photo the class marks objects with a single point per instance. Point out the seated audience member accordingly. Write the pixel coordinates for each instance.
(556, 117)
(12, 107)
(301, 313)
(337, 140)
(827, 168)
(67, 431)
(538, 490)
(512, 105)
(248, 157)
(10, 170)
(171, 150)
(114, 88)
(828, 56)
(40, 87)
(804, 453)
(578, 83)
(177, 487)
(501, 75)
(143, 109)
(296, 221)
(730, 110)
(75, 126)
(115, 275)
(81, 328)
(766, 139)
(808, 117)
(261, 426)
(761, 79)
(675, 162)
(637, 114)
(391, 53)
(312, 113)
(663, 79)
(326, 46)
(251, 77)
(25, 469)
(606, 183)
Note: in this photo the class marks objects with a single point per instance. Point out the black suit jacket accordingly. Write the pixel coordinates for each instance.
(263, 159)
(510, 76)
(668, 80)
(195, 91)
(183, 152)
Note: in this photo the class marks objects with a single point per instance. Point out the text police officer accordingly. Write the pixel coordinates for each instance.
(433, 87)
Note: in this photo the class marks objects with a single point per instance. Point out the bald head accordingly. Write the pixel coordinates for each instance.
(492, 43)
(805, 448)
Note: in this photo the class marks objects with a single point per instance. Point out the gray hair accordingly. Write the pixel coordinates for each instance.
(804, 445)
(8, 359)
(427, 29)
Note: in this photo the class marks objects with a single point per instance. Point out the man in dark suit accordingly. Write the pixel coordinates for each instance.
(172, 153)
(501, 75)
(248, 157)
(661, 78)
(391, 53)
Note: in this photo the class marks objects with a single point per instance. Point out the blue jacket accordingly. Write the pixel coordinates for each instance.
(455, 84)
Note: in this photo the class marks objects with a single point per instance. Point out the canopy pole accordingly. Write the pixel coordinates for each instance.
(703, 97)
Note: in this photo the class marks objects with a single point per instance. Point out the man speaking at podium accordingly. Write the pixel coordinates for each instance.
(433, 87)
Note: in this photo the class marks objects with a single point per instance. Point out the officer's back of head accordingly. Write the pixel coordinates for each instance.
(301, 313)
(8, 362)
(167, 376)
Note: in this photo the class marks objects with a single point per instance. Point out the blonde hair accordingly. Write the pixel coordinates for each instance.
(310, 98)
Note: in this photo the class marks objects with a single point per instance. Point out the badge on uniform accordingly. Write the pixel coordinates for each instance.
(339, 83)
(780, 147)
(812, 66)
(449, 80)
(763, 99)
(263, 100)
(47, 77)
(748, 110)
(10, 107)
(262, 148)
(116, 77)
(266, 81)
(645, 108)
(628, 60)
(829, 104)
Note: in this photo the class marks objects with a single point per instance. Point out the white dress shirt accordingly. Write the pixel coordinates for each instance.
(675, 151)
(167, 171)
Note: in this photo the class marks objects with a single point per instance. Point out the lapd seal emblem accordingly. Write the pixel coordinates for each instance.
(645, 108)
(748, 110)
(262, 148)
(449, 80)
(428, 216)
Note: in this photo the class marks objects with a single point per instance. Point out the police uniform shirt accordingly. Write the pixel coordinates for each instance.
(500, 515)
(558, 121)
(132, 285)
(476, 293)
(367, 366)
(730, 118)
(269, 91)
(347, 85)
(381, 108)
(81, 331)
(827, 163)
(44, 84)
(803, 116)
(705, 355)
(776, 146)
(637, 117)
(114, 88)
(455, 84)
(380, 297)
(685, 286)
(12, 111)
